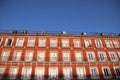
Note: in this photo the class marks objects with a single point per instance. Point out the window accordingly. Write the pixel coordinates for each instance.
(78, 56)
(53, 73)
(13, 72)
(53, 56)
(118, 54)
(39, 73)
(94, 72)
(26, 73)
(31, 42)
(106, 72)
(20, 42)
(76, 43)
(102, 56)
(41, 56)
(109, 43)
(28, 55)
(17, 55)
(91, 56)
(42, 42)
(98, 43)
(1, 40)
(117, 71)
(66, 56)
(65, 43)
(88, 43)
(5, 55)
(113, 56)
(81, 73)
(116, 43)
(8, 42)
(53, 42)
(2, 71)
(67, 72)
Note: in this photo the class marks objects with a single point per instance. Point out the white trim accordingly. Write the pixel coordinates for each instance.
(67, 73)
(5, 55)
(65, 43)
(108, 43)
(88, 43)
(109, 72)
(78, 56)
(53, 56)
(98, 43)
(1, 41)
(81, 72)
(31, 42)
(53, 73)
(113, 56)
(41, 56)
(20, 43)
(6, 41)
(17, 55)
(77, 43)
(94, 72)
(116, 43)
(118, 67)
(53, 42)
(39, 73)
(91, 56)
(29, 55)
(26, 72)
(66, 56)
(2, 71)
(42, 42)
(102, 56)
(13, 72)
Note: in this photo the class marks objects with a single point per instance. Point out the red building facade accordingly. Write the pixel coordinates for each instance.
(59, 56)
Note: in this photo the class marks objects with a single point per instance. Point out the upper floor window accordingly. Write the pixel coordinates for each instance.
(65, 43)
(39, 73)
(91, 56)
(1, 40)
(116, 43)
(113, 56)
(17, 55)
(13, 72)
(106, 72)
(26, 73)
(53, 56)
(53, 42)
(94, 72)
(5, 55)
(98, 43)
(2, 71)
(117, 71)
(67, 72)
(28, 55)
(76, 43)
(88, 43)
(102, 56)
(31, 42)
(109, 43)
(42, 42)
(8, 42)
(20, 42)
(78, 56)
(66, 56)
(41, 56)
(118, 54)
(81, 72)
(53, 73)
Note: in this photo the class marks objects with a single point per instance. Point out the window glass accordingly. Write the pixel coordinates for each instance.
(20, 42)
(42, 42)
(81, 73)
(91, 56)
(41, 56)
(113, 56)
(66, 56)
(106, 72)
(67, 72)
(53, 56)
(94, 72)
(109, 43)
(116, 43)
(76, 43)
(102, 56)
(78, 56)
(39, 73)
(53, 73)
(5, 55)
(13, 72)
(65, 43)
(26, 72)
(88, 43)
(117, 71)
(98, 43)
(2, 71)
(17, 55)
(31, 42)
(53, 42)
(28, 55)
(8, 42)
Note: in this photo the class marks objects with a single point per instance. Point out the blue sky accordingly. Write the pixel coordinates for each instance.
(58, 15)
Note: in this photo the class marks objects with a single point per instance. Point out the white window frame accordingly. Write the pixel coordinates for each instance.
(1, 41)
(94, 72)
(17, 55)
(5, 55)
(13, 72)
(92, 56)
(109, 72)
(2, 71)
(66, 56)
(98, 43)
(42, 42)
(116, 43)
(53, 56)
(53, 42)
(6, 42)
(53, 73)
(26, 72)
(81, 72)
(78, 56)
(67, 73)
(29, 55)
(20, 43)
(77, 43)
(41, 56)
(39, 73)
(109, 43)
(118, 67)
(113, 58)
(88, 43)
(65, 43)
(118, 54)
(102, 56)
(31, 42)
